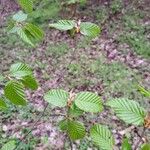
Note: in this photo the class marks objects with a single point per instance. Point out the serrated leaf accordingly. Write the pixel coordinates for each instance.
(76, 130)
(72, 1)
(128, 110)
(57, 97)
(30, 82)
(20, 16)
(63, 124)
(102, 137)
(21, 32)
(14, 29)
(146, 146)
(27, 5)
(126, 145)
(74, 111)
(2, 104)
(89, 29)
(35, 31)
(88, 102)
(20, 70)
(144, 91)
(14, 91)
(63, 25)
(11, 145)
(10, 26)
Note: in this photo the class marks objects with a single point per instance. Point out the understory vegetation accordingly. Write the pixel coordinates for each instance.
(75, 75)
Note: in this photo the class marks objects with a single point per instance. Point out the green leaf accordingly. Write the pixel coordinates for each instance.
(72, 1)
(63, 124)
(126, 145)
(63, 25)
(128, 110)
(20, 70)
(30, 82)
(144, 91)
(20, 16)
(11, 145)
(2, 104)
(146, 146)
(74, 111)
(14, 29)
(57, 97)
(14, 91)
(76, 130)
(89, 29)
(102, 137)
(88, 102)
(24, 36)
(27, 5)
(35, 31)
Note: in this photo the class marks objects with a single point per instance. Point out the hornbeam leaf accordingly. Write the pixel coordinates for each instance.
(102, 137)
(128, 110)
(63, 125)
(57, 97)
(27, 5)
(76, 130)
(20, 70)
(88, 102)
(63, 25)
(74, 111)
(14, 91)
(2, 104)
(89, 29)
(35, 31)
(21, 32)
(30, 82)
(20, 17)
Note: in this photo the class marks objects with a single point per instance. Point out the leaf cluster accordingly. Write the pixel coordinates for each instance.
(19, 77)
(76, 104)
(28, 32)
(85, 28)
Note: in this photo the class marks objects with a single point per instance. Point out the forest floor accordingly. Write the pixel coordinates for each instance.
(112, 65)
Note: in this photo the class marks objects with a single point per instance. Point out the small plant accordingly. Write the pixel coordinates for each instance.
(19, 77)
(85, 28)
(19, 25)
(75, 105)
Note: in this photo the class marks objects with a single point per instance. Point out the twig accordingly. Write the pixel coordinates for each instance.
(140, 140)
